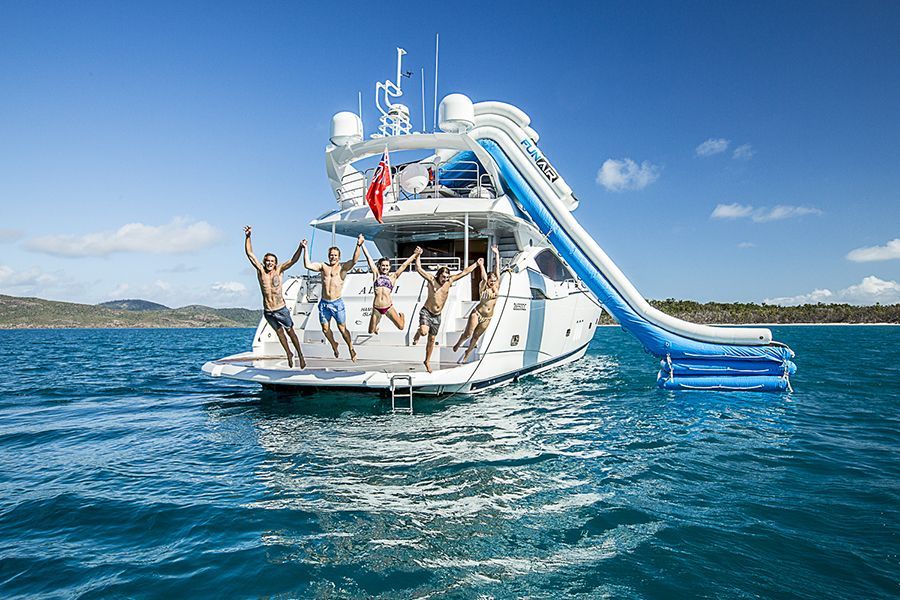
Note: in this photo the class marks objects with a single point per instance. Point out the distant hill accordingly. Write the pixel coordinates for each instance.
(132, 304)
(25, 313)
(35, 313)
(746, 313)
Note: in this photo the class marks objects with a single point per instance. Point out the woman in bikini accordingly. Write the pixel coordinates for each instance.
(384, 285)
(481, 315)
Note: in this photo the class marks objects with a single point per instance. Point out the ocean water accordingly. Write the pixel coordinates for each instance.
(124, 472)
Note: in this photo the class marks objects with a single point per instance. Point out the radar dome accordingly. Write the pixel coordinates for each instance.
(346, 128)
(456, 114)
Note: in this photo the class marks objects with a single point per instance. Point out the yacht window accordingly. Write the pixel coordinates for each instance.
(538, 294)
(552, 267)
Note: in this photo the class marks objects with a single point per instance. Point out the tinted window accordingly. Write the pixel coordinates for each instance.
(552, 267)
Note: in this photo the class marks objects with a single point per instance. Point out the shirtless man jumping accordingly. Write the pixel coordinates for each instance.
(438, 291)
(331, 305)
(274, 309)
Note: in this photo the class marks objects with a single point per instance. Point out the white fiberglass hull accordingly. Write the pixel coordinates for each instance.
(365, 375)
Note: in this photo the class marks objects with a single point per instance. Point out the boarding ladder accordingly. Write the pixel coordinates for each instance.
(395, 393)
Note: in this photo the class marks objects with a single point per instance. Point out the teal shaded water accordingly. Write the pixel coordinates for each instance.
(126, 473)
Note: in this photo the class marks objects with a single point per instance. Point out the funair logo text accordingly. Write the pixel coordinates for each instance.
(540, 160)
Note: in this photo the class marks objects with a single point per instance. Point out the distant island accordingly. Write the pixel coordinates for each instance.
(132, 304)
(35, 313)
(748, 313)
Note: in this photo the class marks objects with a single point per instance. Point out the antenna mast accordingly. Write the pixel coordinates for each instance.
(394, 116)
(437, 40)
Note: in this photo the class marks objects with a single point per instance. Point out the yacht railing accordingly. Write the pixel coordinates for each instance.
(311, 283)
(429, 263)
(464, 180)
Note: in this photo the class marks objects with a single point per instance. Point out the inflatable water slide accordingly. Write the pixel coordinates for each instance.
(692, 356)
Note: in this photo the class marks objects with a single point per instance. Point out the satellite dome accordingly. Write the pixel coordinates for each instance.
(456, 114)
(346, 128)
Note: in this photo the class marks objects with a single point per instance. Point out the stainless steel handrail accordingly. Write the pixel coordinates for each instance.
(468, 182)
(429, 263)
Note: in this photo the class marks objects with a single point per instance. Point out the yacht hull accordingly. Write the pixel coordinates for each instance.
(274, 373)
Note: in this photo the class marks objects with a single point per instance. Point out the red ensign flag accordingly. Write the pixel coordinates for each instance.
(381, 181)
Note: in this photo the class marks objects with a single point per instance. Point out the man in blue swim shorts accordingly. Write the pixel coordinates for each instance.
(331, 306)
(276, 313)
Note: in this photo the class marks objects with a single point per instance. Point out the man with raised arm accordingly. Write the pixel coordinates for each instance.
(269, 273)
(438, 291)
(331, 305)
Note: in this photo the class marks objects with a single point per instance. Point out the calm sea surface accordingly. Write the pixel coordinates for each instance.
(124, 472)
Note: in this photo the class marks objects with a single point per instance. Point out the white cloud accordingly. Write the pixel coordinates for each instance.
(31, 278)
(156, 291)
(182, 268)
(120, 292)
(781, 212)
(743, 152)
(731, 211)
(889, 251)
(746, 245)
(231, 288)
(869, 291)
(178, 236)
(35, 282)
(761, 214)
(9, 235)
(619, 175)
(712, 146)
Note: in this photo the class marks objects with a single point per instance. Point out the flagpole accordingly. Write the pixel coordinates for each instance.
(437, 40)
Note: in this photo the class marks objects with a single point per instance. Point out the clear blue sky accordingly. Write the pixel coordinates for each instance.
(763, 138)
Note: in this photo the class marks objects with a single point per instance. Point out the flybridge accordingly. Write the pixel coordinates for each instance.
(540, 160)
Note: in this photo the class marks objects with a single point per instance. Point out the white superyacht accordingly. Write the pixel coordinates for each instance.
(480, 181)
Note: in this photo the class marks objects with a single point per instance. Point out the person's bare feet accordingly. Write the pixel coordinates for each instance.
(334, 347)
(468, 354)
(427, 366)
(457, 345)
(352, 354)
(290, 361)
(302, 361)
(416, 338)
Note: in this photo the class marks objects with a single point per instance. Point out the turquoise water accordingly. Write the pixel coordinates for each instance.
(126, 473)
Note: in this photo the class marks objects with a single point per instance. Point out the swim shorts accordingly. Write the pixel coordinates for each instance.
(433, 321)
(279, 318)
(332, 309)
